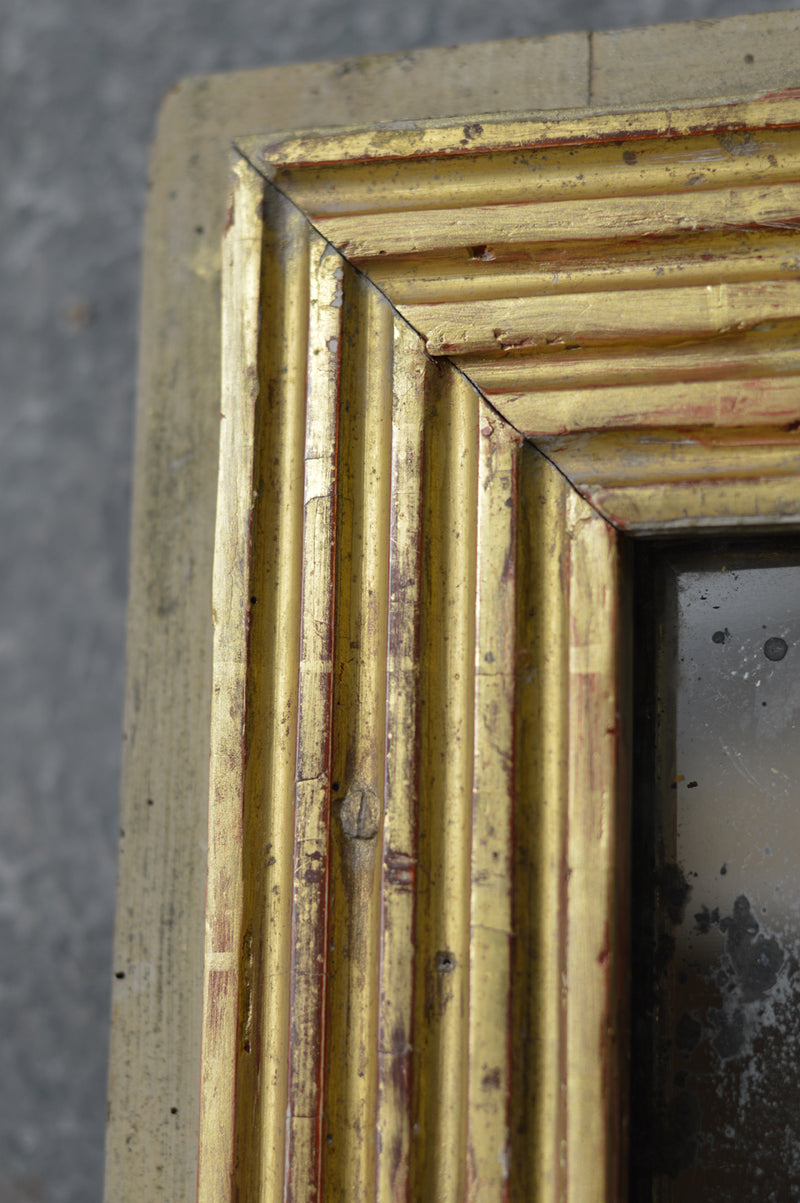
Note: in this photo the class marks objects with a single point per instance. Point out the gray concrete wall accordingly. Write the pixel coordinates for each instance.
(81, 83)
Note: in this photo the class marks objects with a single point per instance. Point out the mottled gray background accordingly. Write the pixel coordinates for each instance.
(81, 82)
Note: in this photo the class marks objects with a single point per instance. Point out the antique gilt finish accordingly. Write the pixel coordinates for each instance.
(462, 363)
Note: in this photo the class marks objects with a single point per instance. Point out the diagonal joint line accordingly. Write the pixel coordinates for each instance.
(438, 359)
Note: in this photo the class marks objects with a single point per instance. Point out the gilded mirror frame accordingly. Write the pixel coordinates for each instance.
(556, 546)
(441, 421)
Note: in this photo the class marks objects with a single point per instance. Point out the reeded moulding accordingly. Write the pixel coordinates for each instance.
(464, 363)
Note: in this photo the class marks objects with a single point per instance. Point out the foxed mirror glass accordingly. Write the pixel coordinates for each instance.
(716, 850)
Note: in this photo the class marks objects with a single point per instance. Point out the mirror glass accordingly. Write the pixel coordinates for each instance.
(717, 883)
